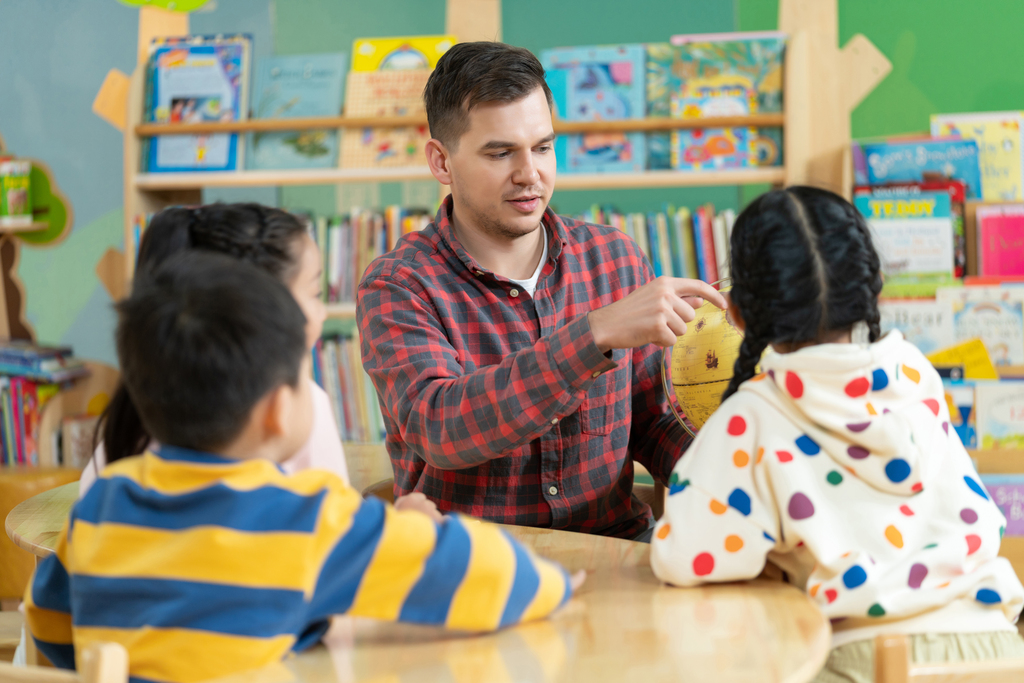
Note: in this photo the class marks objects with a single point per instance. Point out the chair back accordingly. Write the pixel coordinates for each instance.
(384, 489)
(893, 665)
(98, 663)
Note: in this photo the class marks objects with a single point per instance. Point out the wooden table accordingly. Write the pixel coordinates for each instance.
(34, 524)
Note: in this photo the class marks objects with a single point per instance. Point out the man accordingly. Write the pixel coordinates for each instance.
(515, 352)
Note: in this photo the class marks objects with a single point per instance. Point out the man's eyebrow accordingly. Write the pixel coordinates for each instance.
(504, 144)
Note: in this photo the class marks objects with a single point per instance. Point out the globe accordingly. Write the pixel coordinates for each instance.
(700, 364)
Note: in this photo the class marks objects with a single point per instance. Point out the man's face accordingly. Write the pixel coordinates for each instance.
(503, 167)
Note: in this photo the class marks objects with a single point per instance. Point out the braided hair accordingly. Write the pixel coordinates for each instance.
(803, 268)
(266, 237)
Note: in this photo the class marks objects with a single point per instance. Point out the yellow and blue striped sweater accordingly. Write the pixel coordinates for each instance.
(201, 566)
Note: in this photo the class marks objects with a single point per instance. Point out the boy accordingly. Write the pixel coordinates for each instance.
(202, 557)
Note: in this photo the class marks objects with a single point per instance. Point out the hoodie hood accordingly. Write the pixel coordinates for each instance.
(859, 404)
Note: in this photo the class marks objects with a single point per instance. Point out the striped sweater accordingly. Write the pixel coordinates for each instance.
(201, 566)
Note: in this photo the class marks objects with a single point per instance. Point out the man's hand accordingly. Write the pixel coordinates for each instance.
(656, 313)
(417, 501)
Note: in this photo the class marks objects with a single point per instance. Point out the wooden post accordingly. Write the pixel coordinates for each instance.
(470, 20)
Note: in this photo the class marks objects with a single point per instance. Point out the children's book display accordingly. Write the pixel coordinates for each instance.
(920, 161)
(1000, 240)
(197, 79)
(338, 368)
(998, 135)
(295, 87)
(400, 53)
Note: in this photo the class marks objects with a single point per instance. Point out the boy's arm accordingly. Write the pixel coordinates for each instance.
(48, 607)
(401, 566)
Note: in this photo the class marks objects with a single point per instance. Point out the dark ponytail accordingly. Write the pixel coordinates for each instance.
(264, 236)
(803, 267)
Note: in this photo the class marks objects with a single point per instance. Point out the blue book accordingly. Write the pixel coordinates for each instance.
(912, 161)
(294, 87)
(652, 239)
(598, 84)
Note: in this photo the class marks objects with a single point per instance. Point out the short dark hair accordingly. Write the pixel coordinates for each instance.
(469, 74)
(202, 338)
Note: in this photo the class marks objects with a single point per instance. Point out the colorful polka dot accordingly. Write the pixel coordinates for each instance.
(897, 470)
(800, 507)
(794, 385)
(933, 406)
(814, 590)
(834, 478)
(703, 564)
(988, 596)
(678, 488)
(718, 508)
(931, 545)
(912, 374)
(771, 373)
(943, 585)
(808, 445)
(876, 610)
(969, 516)
(757, 378)
(945, 428)
(858, 427)
(737, 425)
(973, 543)
(858, 387)
(740, 459)
(740, 500)
(784, 456)
(918, 572)
(733, 543)
(917, 488)
(858, 452)
(879, 380)
(664, 531)
(760, 456)
(905, 509)
(893, 535)
(765, 534)
(976, 487)
(854, 576)
(831, 594)
(871, 409)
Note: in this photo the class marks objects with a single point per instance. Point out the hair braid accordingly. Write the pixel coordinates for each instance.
(746, 363)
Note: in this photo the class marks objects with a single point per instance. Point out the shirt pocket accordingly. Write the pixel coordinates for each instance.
(605, 405)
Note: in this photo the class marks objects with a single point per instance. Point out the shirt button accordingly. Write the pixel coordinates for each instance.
(554, 421)
(596, 375)
(479, 272)
(513, 293)
(553, 490)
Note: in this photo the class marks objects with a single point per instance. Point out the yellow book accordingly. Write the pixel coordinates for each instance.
(998, 135)
(972, 355)
(399, 53)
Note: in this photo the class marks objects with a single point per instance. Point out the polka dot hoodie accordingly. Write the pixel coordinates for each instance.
(839, 465)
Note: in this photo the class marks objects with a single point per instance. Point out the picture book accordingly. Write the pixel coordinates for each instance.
(399, 53)
(1000, 408)
(995, 315)
(598, 84)
(925, 323)
(962, 415)
(915, 161)
(1007, 492)
(659, 85)
(970, 355)
(385, 93)
(192, 80)
(913, 233)
(296, 86)
(957, 190)
(1000, 240)
(998, 135)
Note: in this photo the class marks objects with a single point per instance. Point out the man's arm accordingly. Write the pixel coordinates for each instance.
(455, 419)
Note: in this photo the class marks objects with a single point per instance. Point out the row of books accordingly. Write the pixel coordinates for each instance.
(338, 368)
(678, 242)
(21, 402)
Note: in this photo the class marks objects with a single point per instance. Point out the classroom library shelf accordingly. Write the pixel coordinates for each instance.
(342, 311)
(29, 227)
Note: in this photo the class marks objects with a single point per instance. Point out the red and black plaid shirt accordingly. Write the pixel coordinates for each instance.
(500, 405)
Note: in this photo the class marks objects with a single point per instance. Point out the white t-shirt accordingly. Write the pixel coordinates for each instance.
(530, 286)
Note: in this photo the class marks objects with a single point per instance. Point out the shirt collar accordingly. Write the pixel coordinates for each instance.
(557, 236)
(180, 454)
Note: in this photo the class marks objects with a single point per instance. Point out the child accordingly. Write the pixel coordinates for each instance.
(203, 557)
(838, 462)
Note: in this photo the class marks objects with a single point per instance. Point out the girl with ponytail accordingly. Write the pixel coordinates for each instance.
(835, 459)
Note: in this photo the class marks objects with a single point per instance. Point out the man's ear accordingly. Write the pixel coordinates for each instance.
(438, 159)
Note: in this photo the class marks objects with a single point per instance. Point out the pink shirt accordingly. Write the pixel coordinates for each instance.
(323, 451)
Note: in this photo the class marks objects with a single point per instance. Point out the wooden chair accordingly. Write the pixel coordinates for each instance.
(893, 665)
(98, 663)
(384, 489)
(10, 634)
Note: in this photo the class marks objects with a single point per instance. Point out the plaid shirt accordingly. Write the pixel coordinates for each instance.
(500, 405)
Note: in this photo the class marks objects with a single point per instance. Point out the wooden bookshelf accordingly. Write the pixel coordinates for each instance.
(28, 227)
(773, 175)
(343, 311)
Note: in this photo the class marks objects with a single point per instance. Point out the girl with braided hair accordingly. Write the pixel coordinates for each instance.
(836, 460)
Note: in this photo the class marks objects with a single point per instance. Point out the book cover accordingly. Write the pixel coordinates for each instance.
(385, 93)
(1001, 240)
(399, 53)
(654, 243)
(917, 161)
(721, 237)
(77, 440)
(1007, 492)
(1000, 407)
(704, 231)
(297, 86)
(960, 399)
(995, 315)
(913, 233)
(998, 135)
(926, 324)
(659, 85)
(666, 222)
(193, 80)
(598, 84)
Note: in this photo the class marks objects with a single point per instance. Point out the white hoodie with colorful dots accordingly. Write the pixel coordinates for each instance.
(838, 464)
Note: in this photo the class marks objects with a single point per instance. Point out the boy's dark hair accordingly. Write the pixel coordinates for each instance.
(803, 265)
(469, 74)
(202, 338)
(261, 235)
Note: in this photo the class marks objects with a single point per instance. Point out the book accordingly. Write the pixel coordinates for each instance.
(292, 87)
(998, 135)
(721, 239)
(683, 221)
(598, 84)
(960, 398)
(658, 86)
(925, 323)
(917, 161)
(995, 315)
(1000, 240)
(192, 80)
(957, 190)
(399, 53)
(703, 232)
(1000, 407)
(913, 233)
(654, 244)
(1007, 492)
(970, 355)
(16, 350)
(385, 93)
(77, 432)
